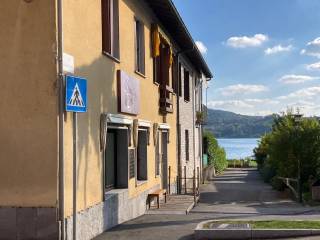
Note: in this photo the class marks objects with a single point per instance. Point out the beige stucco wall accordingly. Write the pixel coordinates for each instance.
(28, 121)
(82, 39)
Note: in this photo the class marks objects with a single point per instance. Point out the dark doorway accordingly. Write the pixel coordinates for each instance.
(164, 169)
(116, 159)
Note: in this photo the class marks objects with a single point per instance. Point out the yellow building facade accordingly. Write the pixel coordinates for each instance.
(126, 141)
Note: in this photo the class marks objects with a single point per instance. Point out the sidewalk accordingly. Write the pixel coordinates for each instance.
(238, 194)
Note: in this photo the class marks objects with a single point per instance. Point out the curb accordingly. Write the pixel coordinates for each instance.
(190, 208)
(202, 233)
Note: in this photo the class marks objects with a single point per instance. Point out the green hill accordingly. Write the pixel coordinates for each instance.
(226, 124)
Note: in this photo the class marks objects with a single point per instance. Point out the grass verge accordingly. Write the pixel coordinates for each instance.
(273, 224)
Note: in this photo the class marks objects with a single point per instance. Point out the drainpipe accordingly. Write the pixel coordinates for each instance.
(178, 114)
(61, 118)
(178, 125)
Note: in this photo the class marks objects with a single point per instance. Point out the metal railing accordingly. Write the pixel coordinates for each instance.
(287, 182)
(189, 185)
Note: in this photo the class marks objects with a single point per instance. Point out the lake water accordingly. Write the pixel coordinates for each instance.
(238, 148)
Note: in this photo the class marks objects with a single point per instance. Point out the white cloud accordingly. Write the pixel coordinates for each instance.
(262, 100)
(278, 49)
(296, 79)
(243, 89)
(314, 66)
(229, 104)
(307, 100)
(312, 48)
(302, 94)
(245, 41)
(245, 106)
(263, 113)
(202, 48)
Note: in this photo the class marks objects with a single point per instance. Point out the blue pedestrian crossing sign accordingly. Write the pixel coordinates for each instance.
(76, 94)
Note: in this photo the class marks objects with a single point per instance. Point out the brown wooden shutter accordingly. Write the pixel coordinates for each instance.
(106, 26)
(165, 65)
(142, 48)
(175, 74)
(156, 69)
(181, 76)
(115, 29)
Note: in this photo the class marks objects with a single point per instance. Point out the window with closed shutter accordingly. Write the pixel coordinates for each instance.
(110, 28)
(187, 144)
(175, 74)
(186, 85)
(142, 156)
(140, 46)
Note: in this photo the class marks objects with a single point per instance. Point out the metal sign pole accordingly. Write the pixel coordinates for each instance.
(74, 124)
(76, 101)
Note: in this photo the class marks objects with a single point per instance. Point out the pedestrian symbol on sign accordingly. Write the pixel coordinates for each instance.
(76, 98)
(76, 94)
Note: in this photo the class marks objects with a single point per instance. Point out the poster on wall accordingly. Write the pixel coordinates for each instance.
(128, 94)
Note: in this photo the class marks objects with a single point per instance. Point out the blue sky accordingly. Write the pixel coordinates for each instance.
(265, 54)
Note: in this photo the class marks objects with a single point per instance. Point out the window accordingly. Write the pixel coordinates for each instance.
(162, 66)
(110, 28)
(180, 79)
(142, 159)
(175, 75)
(186, 85)
(156, 70)
(187, 144)
(140, 48)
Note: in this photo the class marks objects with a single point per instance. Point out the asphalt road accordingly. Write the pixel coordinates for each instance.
(237, 194)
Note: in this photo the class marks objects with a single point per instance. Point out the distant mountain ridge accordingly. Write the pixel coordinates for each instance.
(226, 124)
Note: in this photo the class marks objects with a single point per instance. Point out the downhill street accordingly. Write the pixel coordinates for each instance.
(237, 194)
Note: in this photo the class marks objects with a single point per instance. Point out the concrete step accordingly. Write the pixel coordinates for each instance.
(176, 204)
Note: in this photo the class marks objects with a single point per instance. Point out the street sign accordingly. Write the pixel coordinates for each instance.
(76, 94)
(68, 63)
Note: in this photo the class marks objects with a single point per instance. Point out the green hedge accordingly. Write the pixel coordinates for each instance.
(216, 154)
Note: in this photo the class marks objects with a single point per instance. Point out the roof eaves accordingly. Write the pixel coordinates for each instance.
(195, 56)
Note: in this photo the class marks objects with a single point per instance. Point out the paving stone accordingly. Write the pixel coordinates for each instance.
(8, 224)
(47, 226)
(26, 223)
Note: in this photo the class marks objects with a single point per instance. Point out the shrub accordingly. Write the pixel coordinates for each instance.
(267, 173)
(277, 183)
(216, 154)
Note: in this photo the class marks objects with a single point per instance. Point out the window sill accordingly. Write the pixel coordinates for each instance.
(141, 182)
(140, 74)
(111, 57)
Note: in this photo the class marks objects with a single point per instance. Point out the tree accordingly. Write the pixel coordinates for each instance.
(289, 144)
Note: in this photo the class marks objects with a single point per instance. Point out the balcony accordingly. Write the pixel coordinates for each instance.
(166, 99)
